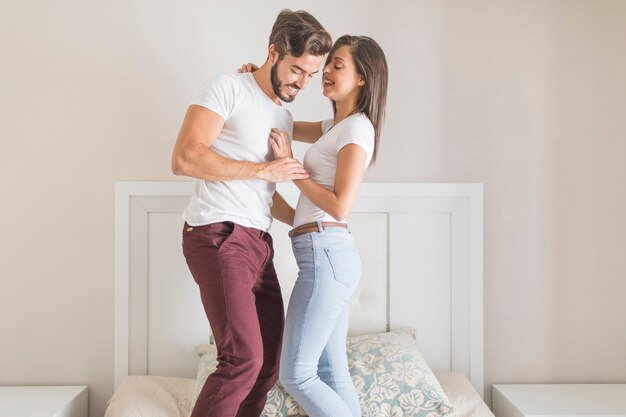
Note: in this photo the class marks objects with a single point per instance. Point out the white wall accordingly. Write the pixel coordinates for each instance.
(527, 97)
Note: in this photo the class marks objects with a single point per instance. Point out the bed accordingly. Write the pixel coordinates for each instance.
(421, 246)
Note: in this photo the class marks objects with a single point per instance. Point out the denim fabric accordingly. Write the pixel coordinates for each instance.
(314, 364)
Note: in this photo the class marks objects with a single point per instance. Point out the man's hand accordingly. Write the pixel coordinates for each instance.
(283, 169)
(279, 141)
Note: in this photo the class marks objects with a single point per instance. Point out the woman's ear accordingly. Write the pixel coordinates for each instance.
(361, 82)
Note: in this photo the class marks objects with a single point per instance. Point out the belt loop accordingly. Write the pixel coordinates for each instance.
(320, 228)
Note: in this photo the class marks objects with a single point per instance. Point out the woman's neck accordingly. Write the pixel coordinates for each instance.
(344, 109)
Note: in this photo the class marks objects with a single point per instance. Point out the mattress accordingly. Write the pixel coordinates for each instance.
(159, 396)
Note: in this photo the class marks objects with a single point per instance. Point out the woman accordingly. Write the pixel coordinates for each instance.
(313, 366)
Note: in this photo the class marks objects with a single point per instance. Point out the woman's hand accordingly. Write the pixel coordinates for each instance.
(279, 141)
(249, 67)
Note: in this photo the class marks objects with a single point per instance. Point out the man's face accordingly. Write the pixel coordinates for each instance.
(289, 75)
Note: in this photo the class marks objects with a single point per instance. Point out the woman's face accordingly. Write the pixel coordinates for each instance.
(341, 82)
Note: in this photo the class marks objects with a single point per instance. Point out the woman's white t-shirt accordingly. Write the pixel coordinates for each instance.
(321, 160)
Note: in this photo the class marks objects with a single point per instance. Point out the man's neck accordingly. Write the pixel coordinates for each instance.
(262, 76)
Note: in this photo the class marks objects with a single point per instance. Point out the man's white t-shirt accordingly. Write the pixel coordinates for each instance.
(321, 160)
(249, 116)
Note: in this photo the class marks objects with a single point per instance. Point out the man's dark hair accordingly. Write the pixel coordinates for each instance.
(298, 33)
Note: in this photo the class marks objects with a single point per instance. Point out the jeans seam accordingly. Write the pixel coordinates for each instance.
(306, 315)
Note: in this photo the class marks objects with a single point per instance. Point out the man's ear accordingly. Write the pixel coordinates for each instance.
(272, 55)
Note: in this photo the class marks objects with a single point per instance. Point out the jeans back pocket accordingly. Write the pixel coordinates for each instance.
(345, 264)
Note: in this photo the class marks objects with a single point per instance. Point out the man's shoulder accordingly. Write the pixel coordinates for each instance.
(229, 79)
(222, 87)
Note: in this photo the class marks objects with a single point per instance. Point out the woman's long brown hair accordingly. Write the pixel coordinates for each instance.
(371, 64)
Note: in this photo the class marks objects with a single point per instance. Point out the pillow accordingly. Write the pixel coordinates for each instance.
(392, 378)
(279, 403)
(389, 373)
(206, 366)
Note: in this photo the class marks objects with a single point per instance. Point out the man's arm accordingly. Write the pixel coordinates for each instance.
(281, 210)
(193, 156)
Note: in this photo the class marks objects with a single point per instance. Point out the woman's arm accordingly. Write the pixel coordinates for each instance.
(339, 203)
(281, 210)
(348, 177)
(307, 132)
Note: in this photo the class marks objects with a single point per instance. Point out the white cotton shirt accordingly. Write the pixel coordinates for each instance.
(249, 116)
(321, 160)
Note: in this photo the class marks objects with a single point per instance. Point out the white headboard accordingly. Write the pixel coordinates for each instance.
(422, 252)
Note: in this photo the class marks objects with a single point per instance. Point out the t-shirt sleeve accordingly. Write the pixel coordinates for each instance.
(219, 95)
(361, 134)
(326, 125)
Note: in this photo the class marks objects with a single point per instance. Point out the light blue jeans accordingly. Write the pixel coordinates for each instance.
(314, 363)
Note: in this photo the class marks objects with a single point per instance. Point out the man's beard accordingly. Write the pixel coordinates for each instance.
(277, 85)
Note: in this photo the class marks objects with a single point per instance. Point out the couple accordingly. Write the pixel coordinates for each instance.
(235, 139)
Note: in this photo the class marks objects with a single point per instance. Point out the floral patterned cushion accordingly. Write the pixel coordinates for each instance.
(392, 378)
(206, 366)
(388, 371)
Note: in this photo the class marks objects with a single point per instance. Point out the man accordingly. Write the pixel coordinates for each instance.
(223, 142)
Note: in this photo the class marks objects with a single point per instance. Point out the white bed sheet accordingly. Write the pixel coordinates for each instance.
(159, 396)
(466, 401)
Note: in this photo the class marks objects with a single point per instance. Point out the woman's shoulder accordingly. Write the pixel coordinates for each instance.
(359, 123)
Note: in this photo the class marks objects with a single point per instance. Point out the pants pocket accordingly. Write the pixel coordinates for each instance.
(222, 234)
(346, 266)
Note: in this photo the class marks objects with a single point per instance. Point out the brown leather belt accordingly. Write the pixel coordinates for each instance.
(313, 227)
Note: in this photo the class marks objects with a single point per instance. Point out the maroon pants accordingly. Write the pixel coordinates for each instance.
(241, 295)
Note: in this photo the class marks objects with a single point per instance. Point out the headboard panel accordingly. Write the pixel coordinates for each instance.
(421, 247)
